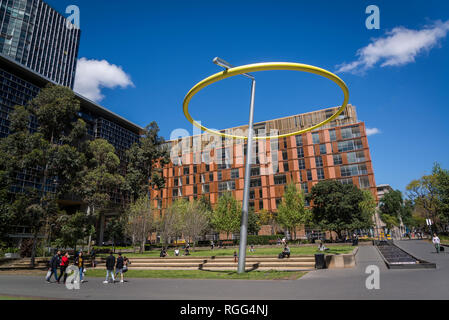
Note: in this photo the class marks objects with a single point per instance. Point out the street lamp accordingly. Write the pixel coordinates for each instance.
(245, 206)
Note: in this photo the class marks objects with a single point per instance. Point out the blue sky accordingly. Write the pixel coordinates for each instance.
(165, 47)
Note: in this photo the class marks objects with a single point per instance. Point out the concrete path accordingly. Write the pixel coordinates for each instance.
(320, 284)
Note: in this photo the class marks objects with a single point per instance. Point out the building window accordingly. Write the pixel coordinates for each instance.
(350, 132)
(285, 166)
(252, 194)
(300, 152)
(299, 140)
(305, 187)
(282, 179)
(315, 137)
(226, 186)
(235, 174)
(195, 169)
(354, 157)
(187, 180)
(320, 173)
(319, 162)
(323, 149)
(285, 143)
(255, 172)
(346, 181)
(309, 175)
(350, 145)
(195, 189)
(186, 170)
(205, 188)
(278, 202)
(353, 170)
(219, 175)
(207, 167)
(337, 159)
(284, 155)
(255, 182)
(260, 204)
(301, 164)
(332, 135)
(203, 178)
(211, 177)
(364, 182)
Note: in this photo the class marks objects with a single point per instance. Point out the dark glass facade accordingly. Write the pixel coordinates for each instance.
(35, 35)
(19, 85)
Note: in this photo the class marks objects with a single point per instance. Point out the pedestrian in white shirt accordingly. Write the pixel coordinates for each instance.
(436, 242)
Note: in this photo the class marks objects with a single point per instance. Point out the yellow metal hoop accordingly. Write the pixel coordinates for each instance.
(264, 67)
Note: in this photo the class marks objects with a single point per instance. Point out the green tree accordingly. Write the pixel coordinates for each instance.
(292, 211)
(140, 221)
(114, 231)
(269, 218)
(392, 208)
(100, 178)
(423, 193)
(73, 228)
(145, 162)
(195, 220)
(253, 222)
(336, 207)
(47, 152)
(227, 214)
(368, 208)
(442, 190)
(170, 224)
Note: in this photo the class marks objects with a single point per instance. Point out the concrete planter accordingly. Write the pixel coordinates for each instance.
(341, 261)
(12, 255)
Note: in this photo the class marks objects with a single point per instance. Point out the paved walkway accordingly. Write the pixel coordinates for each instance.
(320, 284)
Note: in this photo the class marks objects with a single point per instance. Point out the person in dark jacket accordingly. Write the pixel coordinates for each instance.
(64, 265)
(79, 262)
(110, 264)
(119, 267)
(55, 262)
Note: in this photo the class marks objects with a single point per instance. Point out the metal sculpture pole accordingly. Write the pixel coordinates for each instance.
(245, 206)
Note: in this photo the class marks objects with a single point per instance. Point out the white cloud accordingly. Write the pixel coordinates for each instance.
(92, 75)
(399, 47)
(372, 131)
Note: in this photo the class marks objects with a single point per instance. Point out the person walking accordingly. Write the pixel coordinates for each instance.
(110, 264)
(436, 242)
(126, 263)
(79, 262)
(64, 265)
(93, 255)
(55, 262)
(119, 267)
(235, 257)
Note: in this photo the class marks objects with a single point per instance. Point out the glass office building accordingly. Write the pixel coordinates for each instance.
(19, 85)
(37, 36)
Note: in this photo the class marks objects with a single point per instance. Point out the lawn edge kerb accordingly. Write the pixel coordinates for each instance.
(271, 275)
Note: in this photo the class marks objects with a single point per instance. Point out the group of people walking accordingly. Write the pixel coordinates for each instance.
(61, 262)
(120, 264)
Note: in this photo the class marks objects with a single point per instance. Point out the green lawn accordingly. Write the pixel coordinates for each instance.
(198, 274)
(271, 251)
(3, 298)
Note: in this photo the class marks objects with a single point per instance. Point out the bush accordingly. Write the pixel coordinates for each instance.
(26, 248)
(259, 240)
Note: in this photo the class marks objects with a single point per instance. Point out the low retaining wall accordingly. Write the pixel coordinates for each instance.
(341, 261)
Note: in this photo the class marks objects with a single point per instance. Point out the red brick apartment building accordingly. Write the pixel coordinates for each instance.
(208, 165)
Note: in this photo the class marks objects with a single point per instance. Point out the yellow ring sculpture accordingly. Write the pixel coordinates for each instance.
(264, 67)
